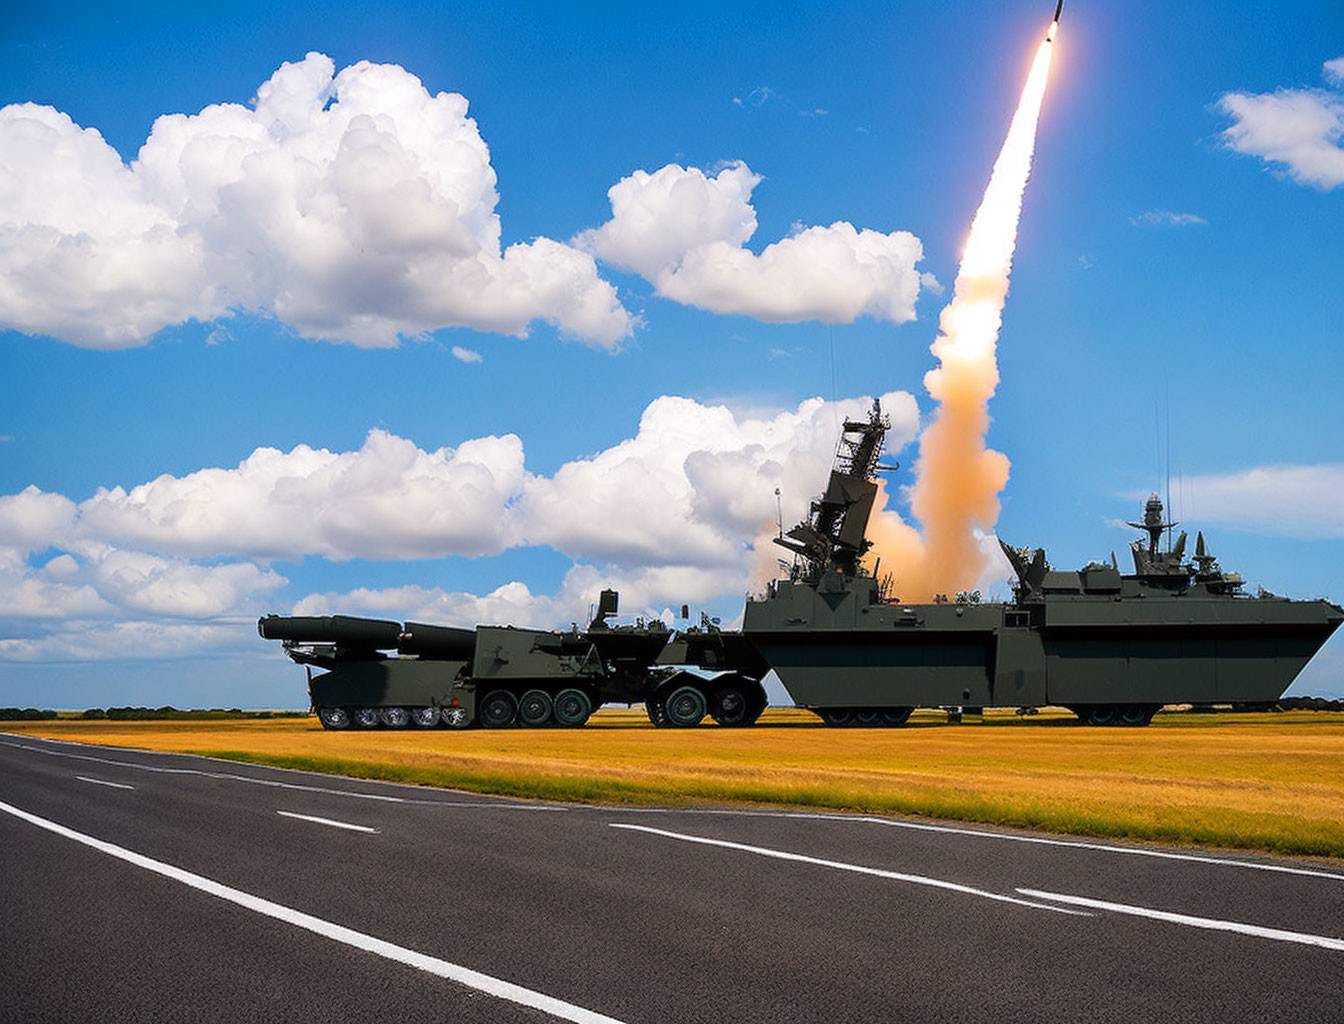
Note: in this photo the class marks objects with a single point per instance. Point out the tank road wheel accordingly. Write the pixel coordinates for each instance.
(498, 709)
(1136, 714)
(730, 707)
(455, 717)
(685, 707)
(572, 707)
(896, 716)
(425, 718)
(333, 718)
(394, 717)
(364, 718)
(657, 712)
(867, 716)
(837, 716)
(1101, 714)
(534, 708)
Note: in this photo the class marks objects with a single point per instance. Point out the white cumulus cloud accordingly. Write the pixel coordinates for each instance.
(133, 639)
(388, 499)
(681, 511)
(693, 486)
(1301, 129)
(102, 582)
(656, 592)
(1305, 502)
(355, 206)
(686, 232)
(696, 483)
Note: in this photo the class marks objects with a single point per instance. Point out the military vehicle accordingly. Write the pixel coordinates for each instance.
(1112, 648)
(378, 672)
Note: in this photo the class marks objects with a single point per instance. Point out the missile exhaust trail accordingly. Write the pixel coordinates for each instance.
(958, 479)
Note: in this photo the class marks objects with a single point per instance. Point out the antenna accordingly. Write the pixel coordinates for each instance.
(779, 513)
(1167, 399)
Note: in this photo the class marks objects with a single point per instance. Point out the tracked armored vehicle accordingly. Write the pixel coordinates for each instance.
(376, 672)
(1112, 648)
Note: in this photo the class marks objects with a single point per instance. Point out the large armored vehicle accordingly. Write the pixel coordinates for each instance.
(1112, 648)
(378, 672)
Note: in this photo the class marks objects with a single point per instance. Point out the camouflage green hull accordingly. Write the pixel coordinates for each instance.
(374, 672)
(847, 650)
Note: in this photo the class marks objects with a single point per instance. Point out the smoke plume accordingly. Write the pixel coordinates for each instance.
(957, 478)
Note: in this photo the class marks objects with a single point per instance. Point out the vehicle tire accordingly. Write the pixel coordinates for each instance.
(364, 718)
(497, 709)
(534, 708)
(394, 717)
(896, 716)
(333, 718)
(1101, 714)
(1136, 714)
(867, 716)
(657, 713)
(572, 708)
(455, 716)
(837, 716)
(730, 707)
(424, 718)
(686, 707)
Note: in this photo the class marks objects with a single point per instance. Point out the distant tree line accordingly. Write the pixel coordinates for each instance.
(137, 714)
(25, 715)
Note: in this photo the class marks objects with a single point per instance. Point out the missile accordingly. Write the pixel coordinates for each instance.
(1054, 25)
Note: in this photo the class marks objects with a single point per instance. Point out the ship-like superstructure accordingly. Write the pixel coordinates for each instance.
(1111, 647)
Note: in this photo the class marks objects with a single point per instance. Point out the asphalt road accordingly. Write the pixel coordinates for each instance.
(148, 887)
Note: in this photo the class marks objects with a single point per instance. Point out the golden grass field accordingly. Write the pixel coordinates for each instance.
(1270, 782)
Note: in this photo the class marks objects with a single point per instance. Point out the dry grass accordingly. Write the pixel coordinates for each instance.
(1272, 782)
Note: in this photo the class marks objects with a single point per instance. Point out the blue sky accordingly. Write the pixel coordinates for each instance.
(182, 325)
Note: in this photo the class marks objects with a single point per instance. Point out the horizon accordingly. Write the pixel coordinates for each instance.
(467, 332)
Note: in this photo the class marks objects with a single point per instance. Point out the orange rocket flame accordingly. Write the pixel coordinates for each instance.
(957, 478)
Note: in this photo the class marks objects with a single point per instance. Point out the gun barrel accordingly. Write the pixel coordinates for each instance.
(441, 642)
(346, 630)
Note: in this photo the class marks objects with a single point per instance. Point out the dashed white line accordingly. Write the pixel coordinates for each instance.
(432, 965)
(328, 821)
(1134, 851)
(103, 782)
(899, 876)
(1212, 923)
(915, 826)
(503, 805)
(1009, 837)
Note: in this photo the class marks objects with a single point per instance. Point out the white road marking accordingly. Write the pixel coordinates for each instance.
(898, 876)
(1133, 851)
(1212, 923)
(917, 826)
(328, 821)
(103, 782)
(228, 777)
(338, 933)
